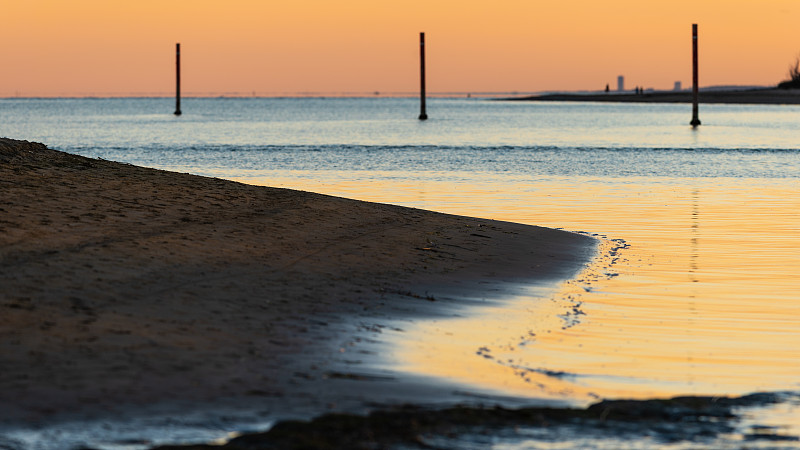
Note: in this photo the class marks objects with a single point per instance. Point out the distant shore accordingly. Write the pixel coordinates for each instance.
(765, 96)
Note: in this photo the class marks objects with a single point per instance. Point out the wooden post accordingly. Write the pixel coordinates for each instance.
(695, 119)
(178, 79)
(422, 114)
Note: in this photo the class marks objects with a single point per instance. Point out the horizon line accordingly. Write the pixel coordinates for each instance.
(261, 94)
(341, 94)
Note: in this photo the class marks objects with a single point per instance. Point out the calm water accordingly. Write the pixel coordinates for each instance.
(696, 289)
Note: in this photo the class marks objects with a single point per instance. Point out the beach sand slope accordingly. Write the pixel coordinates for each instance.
(128, 286)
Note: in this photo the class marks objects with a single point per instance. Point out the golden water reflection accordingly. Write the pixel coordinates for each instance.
(703, 300)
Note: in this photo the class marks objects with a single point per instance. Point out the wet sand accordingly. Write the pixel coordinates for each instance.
(125, 287)
(620, 423)
(766, 96)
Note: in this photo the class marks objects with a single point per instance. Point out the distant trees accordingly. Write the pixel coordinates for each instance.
(794, 76)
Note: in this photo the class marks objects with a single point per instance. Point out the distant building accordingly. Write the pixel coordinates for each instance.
(620, 83)
(678, 86)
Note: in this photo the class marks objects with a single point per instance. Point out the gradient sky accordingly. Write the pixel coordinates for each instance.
(120, 47)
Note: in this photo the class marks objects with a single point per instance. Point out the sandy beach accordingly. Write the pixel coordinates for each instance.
(125, 287)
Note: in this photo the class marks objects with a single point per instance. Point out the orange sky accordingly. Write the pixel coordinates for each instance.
(101, 47)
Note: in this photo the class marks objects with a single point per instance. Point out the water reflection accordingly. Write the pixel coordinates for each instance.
(702, 300)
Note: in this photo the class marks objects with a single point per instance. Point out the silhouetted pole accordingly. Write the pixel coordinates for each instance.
(695, 119)
(422, 114)
(178, 79)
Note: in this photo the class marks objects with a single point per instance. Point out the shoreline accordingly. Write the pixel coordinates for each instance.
(151, 309)
(764, 96)
(128, 290)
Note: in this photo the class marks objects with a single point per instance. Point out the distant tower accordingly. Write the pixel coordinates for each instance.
(678, 86)
(620, 83)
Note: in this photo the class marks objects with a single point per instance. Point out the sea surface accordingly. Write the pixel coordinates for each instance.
(696, 289)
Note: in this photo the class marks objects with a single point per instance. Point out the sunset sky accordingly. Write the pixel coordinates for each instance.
(101, 47)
